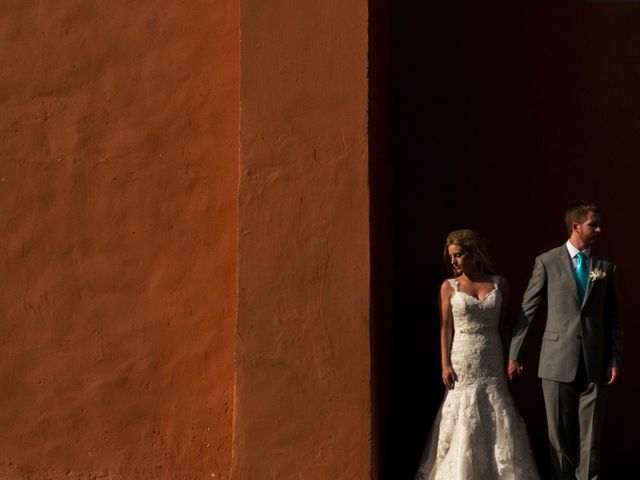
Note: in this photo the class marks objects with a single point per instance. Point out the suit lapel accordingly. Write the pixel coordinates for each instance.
(567, 268)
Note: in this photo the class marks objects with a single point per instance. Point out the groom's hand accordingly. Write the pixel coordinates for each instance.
(514, 370)
(612, 375)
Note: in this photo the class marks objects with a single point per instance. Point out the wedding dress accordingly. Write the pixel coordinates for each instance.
(478, 433)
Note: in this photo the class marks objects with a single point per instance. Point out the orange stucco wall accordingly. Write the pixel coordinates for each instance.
(303, 405)
(118, 189)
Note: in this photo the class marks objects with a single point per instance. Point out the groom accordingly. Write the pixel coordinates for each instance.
(581, 345)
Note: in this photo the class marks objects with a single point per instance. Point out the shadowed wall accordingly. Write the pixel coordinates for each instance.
(118, 184)
(503, 115)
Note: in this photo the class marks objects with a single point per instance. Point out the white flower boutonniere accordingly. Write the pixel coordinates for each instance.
(597, 274)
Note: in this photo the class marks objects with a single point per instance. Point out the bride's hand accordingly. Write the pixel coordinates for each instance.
(449, 377)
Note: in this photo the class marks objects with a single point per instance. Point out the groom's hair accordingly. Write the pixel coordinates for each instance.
(577, 213)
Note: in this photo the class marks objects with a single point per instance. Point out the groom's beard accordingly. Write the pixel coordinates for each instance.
(589, 239)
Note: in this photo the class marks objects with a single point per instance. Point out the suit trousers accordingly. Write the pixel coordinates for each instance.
(575, 413)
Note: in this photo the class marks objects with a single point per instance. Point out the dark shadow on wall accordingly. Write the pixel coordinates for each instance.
(502, 116)
(381, 226)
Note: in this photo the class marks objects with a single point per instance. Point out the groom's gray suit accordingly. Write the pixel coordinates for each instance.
(581, 342)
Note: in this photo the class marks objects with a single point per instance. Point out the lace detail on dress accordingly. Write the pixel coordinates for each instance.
(478, 433)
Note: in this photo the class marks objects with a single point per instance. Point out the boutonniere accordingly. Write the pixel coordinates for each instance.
(597, 274)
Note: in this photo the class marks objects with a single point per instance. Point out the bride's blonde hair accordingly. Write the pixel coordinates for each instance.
(472, 243)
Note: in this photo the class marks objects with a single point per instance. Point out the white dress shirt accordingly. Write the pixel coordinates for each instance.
(573, 252)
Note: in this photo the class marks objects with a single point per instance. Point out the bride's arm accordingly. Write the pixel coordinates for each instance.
(449, 376)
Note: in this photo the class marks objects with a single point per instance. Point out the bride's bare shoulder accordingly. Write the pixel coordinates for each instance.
(447, 286)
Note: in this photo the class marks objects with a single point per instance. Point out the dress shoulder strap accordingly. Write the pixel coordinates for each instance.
(454, 283)
(496, 279)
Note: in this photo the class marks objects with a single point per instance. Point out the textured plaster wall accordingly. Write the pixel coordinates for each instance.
(118, 189)
(303, 405)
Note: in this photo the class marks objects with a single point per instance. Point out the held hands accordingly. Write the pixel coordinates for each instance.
(449, 376)
(514, 370)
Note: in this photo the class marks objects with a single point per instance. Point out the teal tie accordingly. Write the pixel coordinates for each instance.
(582, 273)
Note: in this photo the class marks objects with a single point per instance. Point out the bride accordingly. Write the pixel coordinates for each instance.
(478, 433)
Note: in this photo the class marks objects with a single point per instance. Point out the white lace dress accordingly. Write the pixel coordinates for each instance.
(478, 433)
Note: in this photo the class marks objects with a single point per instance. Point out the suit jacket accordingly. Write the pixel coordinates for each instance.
(592, 325)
